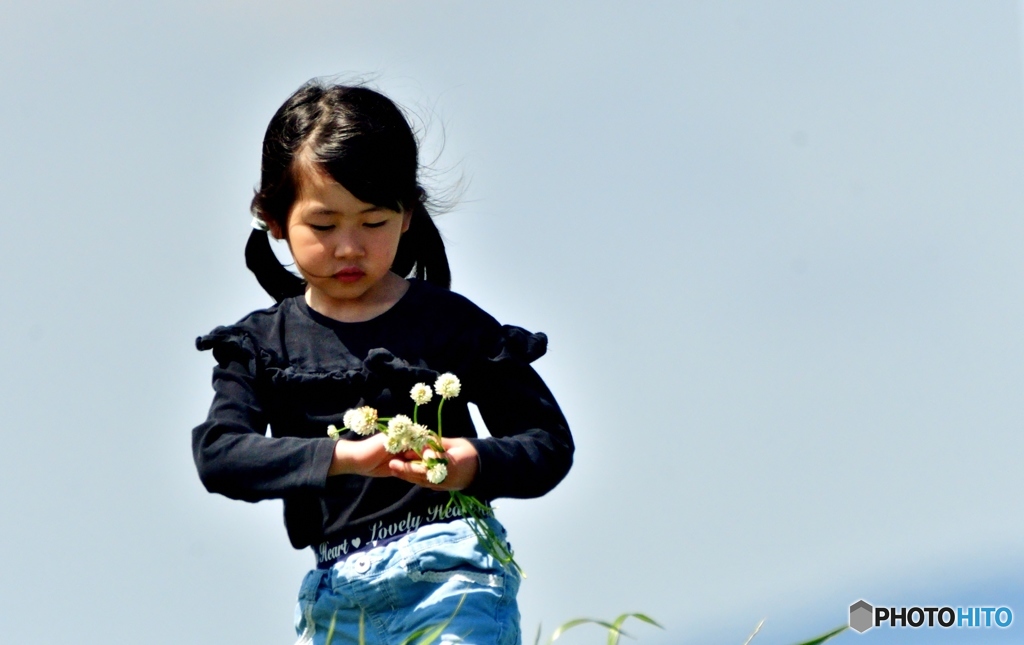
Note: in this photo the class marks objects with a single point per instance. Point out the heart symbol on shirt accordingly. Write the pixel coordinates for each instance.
(356, 542)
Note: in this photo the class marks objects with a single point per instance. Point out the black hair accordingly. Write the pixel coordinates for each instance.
(363, 141)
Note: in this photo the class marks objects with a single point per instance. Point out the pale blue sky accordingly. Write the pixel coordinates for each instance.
(776, 247)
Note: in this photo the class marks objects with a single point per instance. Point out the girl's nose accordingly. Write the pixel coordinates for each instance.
(348, 245)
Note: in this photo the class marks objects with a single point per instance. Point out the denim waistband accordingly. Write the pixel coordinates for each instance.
(379, 532)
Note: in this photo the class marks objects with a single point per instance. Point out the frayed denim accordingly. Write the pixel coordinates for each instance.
(414, 582)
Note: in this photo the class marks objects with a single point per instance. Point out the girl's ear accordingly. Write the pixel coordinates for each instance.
(406, 220)
(275, 230)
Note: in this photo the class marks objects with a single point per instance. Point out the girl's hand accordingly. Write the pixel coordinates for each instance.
(367, 457)
(462, 466)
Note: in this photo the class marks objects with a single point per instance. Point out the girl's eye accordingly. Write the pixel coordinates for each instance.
(375, 224)
(321, 227)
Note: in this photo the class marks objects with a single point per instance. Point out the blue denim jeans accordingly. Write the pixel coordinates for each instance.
(414, 582)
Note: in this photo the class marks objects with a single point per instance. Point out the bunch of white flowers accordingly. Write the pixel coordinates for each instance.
(405, 434)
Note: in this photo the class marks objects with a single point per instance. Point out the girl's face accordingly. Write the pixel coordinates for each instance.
(342, 246)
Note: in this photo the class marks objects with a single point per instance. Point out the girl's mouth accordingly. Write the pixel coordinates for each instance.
(349, 275)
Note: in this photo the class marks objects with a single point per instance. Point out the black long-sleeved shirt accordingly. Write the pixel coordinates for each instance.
(297, 371)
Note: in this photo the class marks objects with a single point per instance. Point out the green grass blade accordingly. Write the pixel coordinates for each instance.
(536, 641)
(424, 634)
(824, 637)
(647, 619)
(330, 629)
(431, 633)
(616, 631)
(576, 623)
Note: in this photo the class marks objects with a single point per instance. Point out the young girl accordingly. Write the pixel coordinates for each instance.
(339, 184)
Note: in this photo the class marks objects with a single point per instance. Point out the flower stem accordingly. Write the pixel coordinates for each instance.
(439, 406)
(475, 513)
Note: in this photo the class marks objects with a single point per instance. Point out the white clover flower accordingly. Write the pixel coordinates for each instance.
(448, 385)
(399, 424)
(419, 435)
(401, 434)
(437, 472)
(395, 444)
(421, 394)
(350, 418)
(361, 420)
(333, 432)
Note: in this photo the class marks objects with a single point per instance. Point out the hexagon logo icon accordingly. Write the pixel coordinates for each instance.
(861, 616)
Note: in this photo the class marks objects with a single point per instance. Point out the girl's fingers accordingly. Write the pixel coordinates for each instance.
(405, 469)
(410, 455)
(412, 473)
(430, 453)
(405, 466)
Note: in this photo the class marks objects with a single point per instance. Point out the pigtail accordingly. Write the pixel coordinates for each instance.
(421, 250)
(276, 280)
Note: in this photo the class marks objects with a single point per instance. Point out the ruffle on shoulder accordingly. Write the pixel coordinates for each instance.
(380, 370)
(516, 344)
(380, 366)
(232, 344)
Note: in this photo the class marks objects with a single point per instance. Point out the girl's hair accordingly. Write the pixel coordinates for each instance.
(362, 140)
